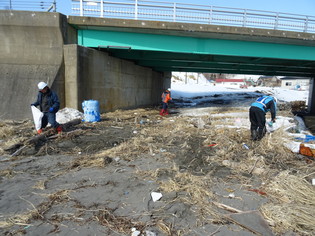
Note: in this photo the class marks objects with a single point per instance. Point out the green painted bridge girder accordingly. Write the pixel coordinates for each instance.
(191, 45)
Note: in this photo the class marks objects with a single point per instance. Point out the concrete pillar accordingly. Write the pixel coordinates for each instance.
(72, 85)
(311, 98)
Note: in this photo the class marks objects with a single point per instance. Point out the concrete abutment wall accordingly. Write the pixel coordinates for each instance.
(115, 83)
(31, 50)
(38, 46)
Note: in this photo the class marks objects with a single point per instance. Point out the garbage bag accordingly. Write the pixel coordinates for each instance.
(37, 117)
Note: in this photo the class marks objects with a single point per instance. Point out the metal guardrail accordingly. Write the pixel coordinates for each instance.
(190, 13)
(28, 6)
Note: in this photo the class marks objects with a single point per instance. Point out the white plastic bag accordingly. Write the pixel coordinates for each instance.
(37, 117)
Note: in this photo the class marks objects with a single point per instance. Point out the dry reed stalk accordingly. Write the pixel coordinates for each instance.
(168, 230)
(40, 185)
(197, 189)
(6, 131)
(289, 188)
(284, 217)
(19, 219)
(294, 203)
(8, 173)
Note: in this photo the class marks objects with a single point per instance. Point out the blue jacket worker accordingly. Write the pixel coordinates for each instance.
(48, 103)
(257, 115)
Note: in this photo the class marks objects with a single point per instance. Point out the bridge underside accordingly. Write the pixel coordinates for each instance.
(207, 63)
(164, 52)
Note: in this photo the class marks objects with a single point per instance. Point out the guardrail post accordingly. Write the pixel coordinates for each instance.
(81, 7)
(306, 25)
(210, 17)
(174, 12)
(245, 18)
(277, 21)
(102, 8)
(136, 9)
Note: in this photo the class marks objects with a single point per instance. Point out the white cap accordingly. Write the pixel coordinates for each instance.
(169, 89)
(41, 85)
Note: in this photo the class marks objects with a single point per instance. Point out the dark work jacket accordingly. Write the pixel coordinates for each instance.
(52, 99)
(266, 103)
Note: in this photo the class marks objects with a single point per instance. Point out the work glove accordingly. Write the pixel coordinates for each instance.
(51, 109)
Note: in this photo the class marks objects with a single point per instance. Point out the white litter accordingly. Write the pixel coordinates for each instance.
(135, 232)
(149, 233)
(67, 114)
(37, 117)
(156, 196)
(293, 146)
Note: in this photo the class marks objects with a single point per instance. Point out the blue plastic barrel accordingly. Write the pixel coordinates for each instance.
(91, 110)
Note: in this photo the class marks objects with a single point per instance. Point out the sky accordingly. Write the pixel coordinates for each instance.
(302, 7)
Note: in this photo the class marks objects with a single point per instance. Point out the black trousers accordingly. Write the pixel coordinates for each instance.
(257, 119)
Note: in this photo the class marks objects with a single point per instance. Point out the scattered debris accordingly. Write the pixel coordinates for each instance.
(181, 159)
(156, 196)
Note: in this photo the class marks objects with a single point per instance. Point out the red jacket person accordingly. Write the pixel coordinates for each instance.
(166, 97)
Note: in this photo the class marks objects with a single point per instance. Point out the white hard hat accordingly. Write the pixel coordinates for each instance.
(41, 85)
(169, 89)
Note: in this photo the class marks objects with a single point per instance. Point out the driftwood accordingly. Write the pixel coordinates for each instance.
(43, 136)
(226, 207)
(18, 147)
(250, 220)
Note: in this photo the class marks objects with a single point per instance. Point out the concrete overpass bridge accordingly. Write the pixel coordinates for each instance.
(126, 63)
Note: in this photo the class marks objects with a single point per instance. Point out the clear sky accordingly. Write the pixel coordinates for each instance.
(302, 7)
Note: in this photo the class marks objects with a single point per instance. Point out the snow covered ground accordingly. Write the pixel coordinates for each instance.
(193, 88)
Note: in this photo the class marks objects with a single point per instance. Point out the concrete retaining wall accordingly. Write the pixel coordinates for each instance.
(115, 83)
(31, 50)
(34, 48)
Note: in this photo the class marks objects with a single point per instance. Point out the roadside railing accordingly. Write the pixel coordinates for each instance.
(191, 13)
(28, 6)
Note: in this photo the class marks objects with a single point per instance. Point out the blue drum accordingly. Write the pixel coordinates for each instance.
(91, 110)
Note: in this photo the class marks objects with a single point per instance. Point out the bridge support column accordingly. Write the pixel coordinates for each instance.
(311, 98)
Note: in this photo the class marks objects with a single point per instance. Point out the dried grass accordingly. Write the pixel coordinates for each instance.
(37, 212)
(198, 189)
(117, 223)
(293, 205)
(6, 131)
(8, 173)
(19, 219)
(40, 185)
(168, 229)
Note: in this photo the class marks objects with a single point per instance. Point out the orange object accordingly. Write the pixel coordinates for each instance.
(39, 131)
(307, 151)
(258, 191)
(166, 97)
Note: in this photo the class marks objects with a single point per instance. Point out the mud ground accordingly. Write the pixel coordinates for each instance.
(97, 178)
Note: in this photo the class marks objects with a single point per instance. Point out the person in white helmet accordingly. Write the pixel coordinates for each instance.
(49, 104)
